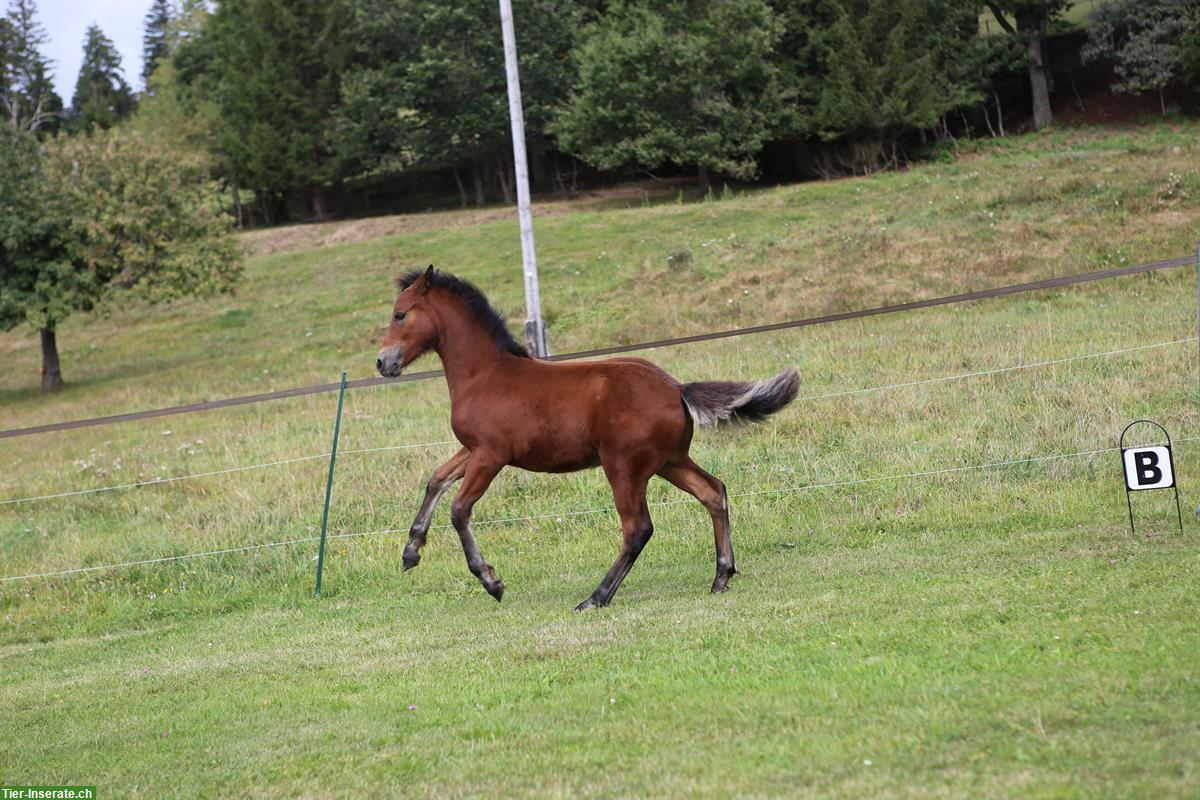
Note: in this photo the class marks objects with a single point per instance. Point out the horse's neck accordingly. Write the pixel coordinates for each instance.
(468, 352)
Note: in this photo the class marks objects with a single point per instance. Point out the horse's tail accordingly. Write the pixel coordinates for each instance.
(711, 403)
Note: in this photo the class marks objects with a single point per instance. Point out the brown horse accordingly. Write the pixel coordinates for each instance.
(507, 408)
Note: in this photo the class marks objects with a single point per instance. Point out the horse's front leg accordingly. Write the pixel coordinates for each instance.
(479, 474)
(443, 478)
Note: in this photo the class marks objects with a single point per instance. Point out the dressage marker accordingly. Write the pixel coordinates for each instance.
(1148, 467)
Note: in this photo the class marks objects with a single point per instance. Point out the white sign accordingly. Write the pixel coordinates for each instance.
(1148, 468)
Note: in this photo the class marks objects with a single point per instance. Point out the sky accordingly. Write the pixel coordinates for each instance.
(66, 22)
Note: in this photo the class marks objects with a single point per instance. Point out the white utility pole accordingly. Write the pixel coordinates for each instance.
(535, 326)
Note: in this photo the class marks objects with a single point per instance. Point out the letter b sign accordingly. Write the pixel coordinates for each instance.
(1148, 468)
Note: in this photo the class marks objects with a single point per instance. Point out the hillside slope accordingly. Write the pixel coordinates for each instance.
(315, 298)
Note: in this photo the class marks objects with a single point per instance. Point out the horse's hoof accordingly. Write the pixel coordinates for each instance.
(496, 590)
(721, 582)
(411, 557)
(586, 604)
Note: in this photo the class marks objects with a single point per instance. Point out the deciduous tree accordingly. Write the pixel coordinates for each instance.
(183, 107)
(1031, 19)
(180, 106)
(87, 218)
(1145, 41)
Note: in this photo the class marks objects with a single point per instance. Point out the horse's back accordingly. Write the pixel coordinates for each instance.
(564, 417)
(638, 406)
(643, 364)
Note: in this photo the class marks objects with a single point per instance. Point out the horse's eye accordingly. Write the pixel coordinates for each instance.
(400, 315)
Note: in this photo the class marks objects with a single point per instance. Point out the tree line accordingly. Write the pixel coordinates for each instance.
(288, 98)
(299, 95)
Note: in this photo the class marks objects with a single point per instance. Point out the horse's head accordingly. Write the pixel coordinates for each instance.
(412, 330)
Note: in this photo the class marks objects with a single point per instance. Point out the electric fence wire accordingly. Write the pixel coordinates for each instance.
(563, 514)
(885, 387)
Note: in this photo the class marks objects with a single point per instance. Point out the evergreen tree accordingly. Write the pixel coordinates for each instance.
(7, 51)
(276, 67)
(26, 90)
(891, 66)
(802, 57)
(154, 39)
(431, 90)
(101, 95)
(1189, 49)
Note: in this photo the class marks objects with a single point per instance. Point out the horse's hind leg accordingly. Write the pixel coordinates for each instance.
(711, 493)
(443, 478)
(479, 475)
(629, 492)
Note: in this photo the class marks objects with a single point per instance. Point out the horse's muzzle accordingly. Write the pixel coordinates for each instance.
(388, 361)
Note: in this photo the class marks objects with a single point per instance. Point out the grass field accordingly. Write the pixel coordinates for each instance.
(982, 632)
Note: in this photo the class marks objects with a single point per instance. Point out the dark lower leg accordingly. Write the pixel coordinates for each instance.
(718, 508)
(627, 473)
(479, 475)
(441, 481)
(420, 526)
(726, 568)
(636, 535)
(479, 568)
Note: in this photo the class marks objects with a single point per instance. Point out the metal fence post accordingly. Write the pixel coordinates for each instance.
(337, 427)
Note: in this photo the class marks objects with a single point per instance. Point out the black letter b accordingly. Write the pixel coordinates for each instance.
(1148, 471)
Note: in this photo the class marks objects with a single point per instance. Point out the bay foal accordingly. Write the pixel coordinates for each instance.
(624, 415)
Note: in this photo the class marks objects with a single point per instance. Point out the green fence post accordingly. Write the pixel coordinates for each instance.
(337, 426)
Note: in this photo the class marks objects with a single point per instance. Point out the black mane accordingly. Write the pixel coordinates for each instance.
(477, 304)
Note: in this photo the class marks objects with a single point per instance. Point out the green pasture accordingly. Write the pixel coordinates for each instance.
(985, 631)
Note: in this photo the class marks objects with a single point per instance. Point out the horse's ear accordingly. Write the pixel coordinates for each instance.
(422, 284)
